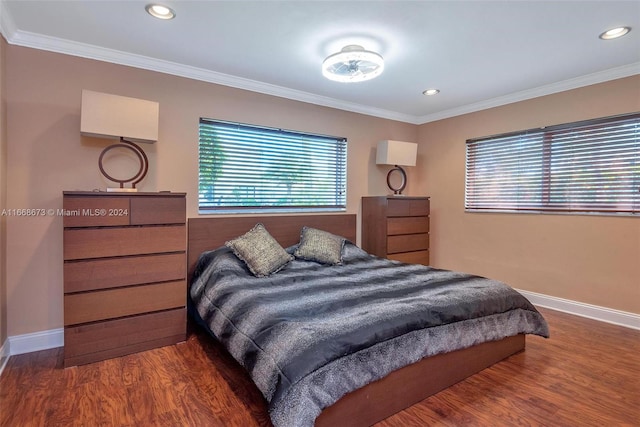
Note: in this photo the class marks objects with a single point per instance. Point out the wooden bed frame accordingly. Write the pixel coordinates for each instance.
(398, 390)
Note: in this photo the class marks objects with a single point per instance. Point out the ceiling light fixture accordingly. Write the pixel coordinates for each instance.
(430, 92)
(614, 33)
(352, 64)
(159, 11)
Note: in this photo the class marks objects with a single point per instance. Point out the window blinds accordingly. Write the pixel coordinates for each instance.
(587, 167)
(249, 167)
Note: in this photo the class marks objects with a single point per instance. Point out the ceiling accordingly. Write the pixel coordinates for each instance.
(479, 54)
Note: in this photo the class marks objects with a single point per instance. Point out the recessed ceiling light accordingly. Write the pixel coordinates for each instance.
(614, 33)
(159, 11)
(430, 92)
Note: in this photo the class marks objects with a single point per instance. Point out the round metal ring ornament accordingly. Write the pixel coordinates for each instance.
(403, 182)
(142, 157)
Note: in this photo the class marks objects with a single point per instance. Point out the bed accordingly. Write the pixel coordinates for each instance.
(366, 374)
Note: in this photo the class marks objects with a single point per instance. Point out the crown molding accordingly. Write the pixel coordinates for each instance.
(7, 27)
(586, 80)
(67, 47)
(57, 45)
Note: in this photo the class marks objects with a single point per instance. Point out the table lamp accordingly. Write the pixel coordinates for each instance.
(128, 120)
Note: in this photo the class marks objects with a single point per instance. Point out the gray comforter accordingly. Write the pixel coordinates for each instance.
(312, 333)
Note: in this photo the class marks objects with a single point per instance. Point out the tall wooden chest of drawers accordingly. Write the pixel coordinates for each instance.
(396, 227)
(124, 273)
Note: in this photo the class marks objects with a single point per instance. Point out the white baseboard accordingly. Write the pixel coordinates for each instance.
(36, 341)
(4, 355)
(53, 338)
(602, 314)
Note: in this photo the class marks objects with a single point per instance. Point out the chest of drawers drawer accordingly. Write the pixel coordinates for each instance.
(404, 206)
(407, 225)
(415, 257)
(83, 243)
(103, 340)
(99, 211)
(407, 243)
(106, 304)
(103, 273)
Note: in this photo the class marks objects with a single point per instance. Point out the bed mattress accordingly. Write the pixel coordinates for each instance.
(312, 333)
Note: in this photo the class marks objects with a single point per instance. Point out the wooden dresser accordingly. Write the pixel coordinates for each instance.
(124, 273)
(396, 227)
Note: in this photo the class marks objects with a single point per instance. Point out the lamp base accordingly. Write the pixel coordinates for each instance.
(142, 172)
(121, 190)
(397, 191)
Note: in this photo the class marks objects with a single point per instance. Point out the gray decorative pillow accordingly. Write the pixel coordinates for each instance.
(320, 246)
(260, 251)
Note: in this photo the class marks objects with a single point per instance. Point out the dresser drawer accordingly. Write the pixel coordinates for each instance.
(119, 302)
(87, 275)
(158, 210)
(86, 243)
(408, 207)
(112, 338)
(407, 225)
(406, 243)
(417, 257)
(95, 211)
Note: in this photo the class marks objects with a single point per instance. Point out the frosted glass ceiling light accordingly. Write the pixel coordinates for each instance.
(352, 64)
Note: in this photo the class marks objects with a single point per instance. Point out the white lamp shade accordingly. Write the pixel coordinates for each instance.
(396, 153)
(112, 116)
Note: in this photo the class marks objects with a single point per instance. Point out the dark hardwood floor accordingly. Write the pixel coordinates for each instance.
(586, 374)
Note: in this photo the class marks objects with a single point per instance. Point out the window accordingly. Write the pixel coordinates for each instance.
(245, 167)
(586, 167)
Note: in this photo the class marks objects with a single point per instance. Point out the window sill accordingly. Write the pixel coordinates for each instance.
(543, 212)
(264, 211)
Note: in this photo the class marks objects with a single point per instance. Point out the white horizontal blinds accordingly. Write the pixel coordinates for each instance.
(596, 168)
(589, 166)
(506, 173)
(249, 167)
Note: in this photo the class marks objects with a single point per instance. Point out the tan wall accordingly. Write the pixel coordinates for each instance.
(3, 196)
(47, 155)
(588, 259)
(591, 259)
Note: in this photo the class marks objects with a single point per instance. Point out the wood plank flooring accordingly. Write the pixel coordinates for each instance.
(586, 374)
